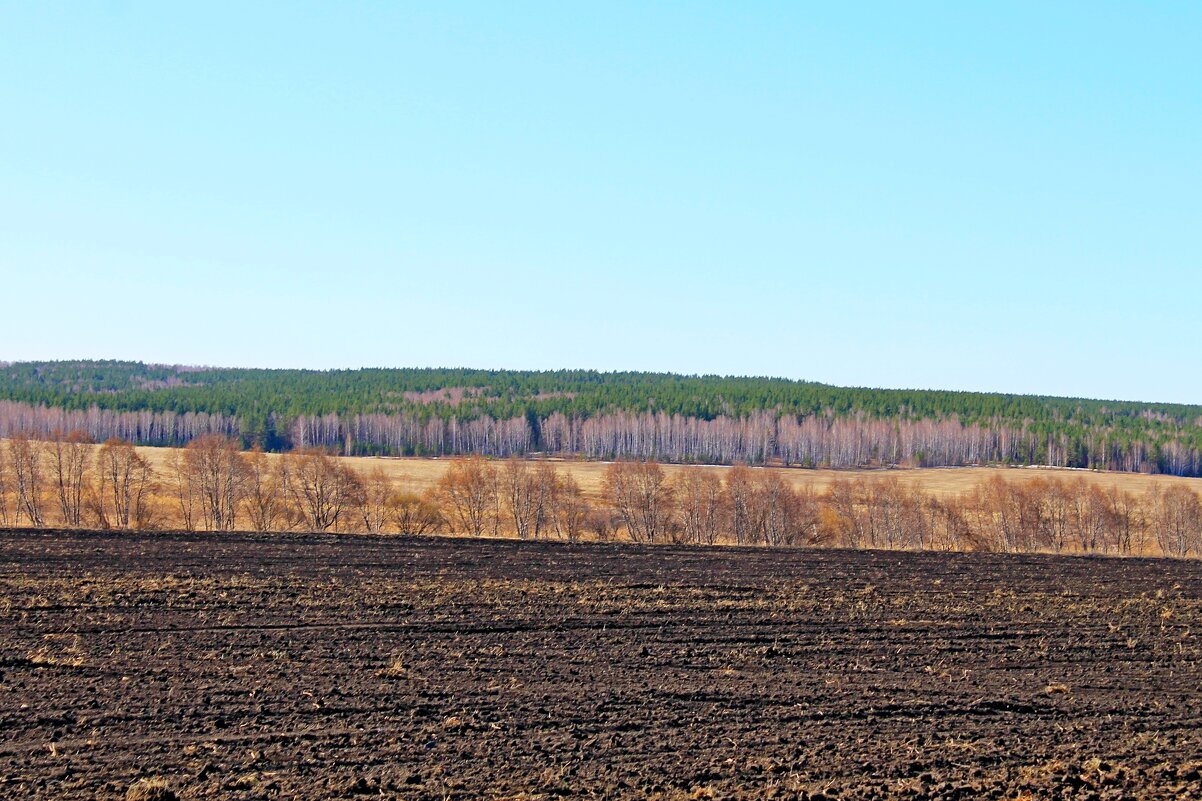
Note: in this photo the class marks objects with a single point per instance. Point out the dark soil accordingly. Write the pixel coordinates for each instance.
(243, 666)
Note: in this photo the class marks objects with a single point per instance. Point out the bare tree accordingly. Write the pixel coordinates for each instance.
(778, 511)
(416, 514)
(69, 457)
(7, 513)
(603, 522)
(184, 490)
(25, 458)
(522, 497)
(1053, 504)
(1093, 522)
(640, 493)
(893, 514)
(125, 483)
(1010, 517)
(947, 527)
(567, 507)
(841, 518)
(324, 489)
(549, 493)
(376, 500)
(801, 527)
(217, 473)
(267, 489)
(1129, 520)
(1177, 519)
(468, 493)
(702, 506)
(741, 504)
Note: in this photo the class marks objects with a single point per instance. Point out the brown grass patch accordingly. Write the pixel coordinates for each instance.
(155, 789)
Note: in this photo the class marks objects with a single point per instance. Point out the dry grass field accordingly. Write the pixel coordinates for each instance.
(889, 508)
(418, 473)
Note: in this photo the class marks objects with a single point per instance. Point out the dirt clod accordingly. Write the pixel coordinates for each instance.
(319, 667)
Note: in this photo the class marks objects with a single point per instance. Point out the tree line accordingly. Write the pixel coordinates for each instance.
(759, 438)
(213, 484)
(597, 415)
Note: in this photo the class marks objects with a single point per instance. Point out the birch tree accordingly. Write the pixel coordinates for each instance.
(69, 457)
(468, 493)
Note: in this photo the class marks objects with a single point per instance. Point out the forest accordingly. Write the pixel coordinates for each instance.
(667, 417)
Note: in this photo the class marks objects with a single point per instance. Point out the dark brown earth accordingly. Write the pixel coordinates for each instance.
(243, 666)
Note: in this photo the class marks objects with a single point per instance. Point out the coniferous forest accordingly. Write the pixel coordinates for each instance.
(679, 418)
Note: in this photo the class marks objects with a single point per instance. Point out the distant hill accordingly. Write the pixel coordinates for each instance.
(603, 415)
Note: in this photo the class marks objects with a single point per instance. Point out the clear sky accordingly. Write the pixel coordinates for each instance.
(997, 196)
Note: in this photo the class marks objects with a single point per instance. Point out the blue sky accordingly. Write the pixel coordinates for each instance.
(988, 196)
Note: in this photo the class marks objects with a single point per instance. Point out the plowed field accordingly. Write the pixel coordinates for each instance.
(297, 666)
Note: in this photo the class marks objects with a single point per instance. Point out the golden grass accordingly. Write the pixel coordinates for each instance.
(419, 473)
(155, 789)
